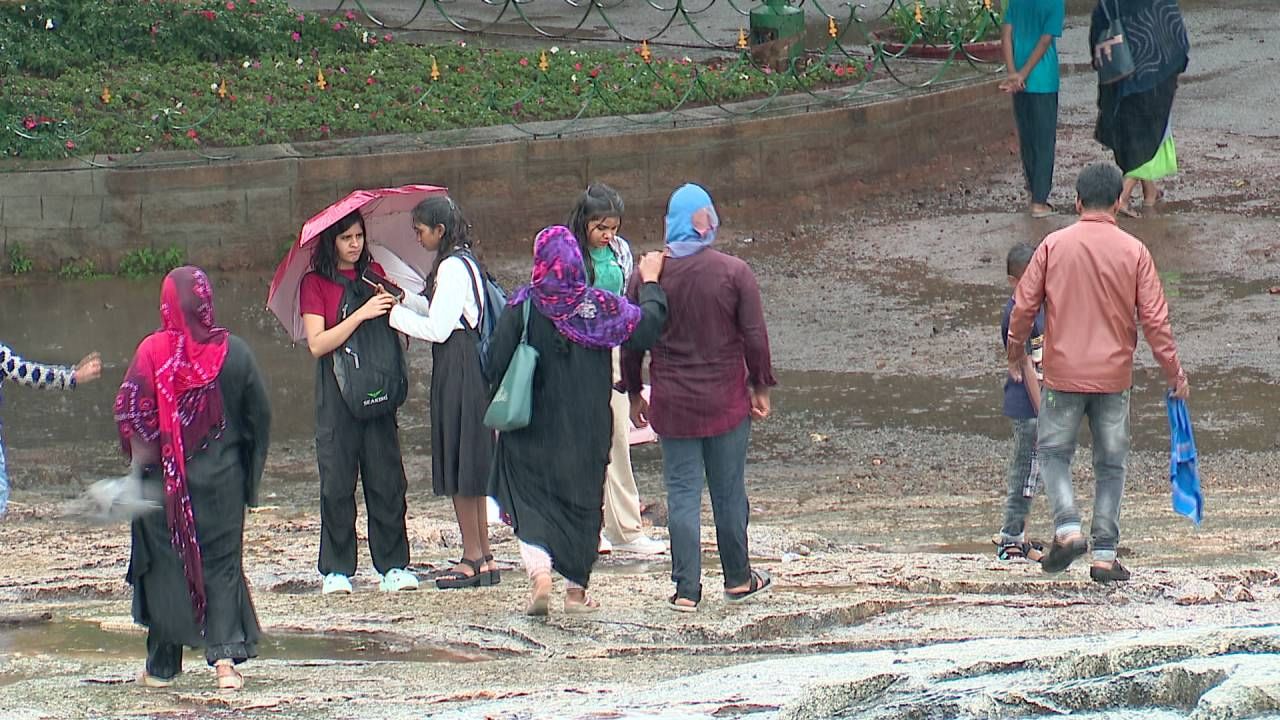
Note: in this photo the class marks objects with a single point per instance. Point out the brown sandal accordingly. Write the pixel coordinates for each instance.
(228, 677)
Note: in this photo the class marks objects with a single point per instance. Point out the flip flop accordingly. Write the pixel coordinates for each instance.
(1129, 212)
(588, 607)
(1042, 214)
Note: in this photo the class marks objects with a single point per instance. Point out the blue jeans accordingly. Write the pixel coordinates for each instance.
(1060, 415)
(721, 463)
(1016, 505)
(4, 481)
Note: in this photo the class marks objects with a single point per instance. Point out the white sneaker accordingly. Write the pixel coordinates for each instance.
(336, 583)
(643, 545)
(605, 547)
(398, 579)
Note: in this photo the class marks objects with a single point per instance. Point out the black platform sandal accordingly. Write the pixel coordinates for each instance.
(455, 579)
(495, 577)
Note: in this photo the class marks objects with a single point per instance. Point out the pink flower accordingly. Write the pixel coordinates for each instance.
(324, 129)
(351, 15)
(297, 36)
(231, 5)
(70, 145)
(155, 30)
(301, 17)
(595, 72)
(193, 134)
(373, 40)
(524, 62)
(29, 122)
(370, 80)
(257, 64)
(208, 15)
(577, 66)
(387, 37)
(338, 27)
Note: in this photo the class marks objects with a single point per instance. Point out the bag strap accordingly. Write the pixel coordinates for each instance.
(464, 256)
(524, 334)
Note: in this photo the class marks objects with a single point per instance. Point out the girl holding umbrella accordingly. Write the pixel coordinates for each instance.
(346, 445)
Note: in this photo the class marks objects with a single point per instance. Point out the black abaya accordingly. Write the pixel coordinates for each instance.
(222, 479)
(548, 477)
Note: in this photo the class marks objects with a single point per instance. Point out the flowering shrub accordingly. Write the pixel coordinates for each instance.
(939, 22)
(320, 80)
(48, 37)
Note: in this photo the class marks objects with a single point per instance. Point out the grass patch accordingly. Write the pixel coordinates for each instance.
(145, 262)
(19, 263)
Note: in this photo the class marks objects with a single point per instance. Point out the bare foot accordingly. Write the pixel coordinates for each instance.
(540, 597)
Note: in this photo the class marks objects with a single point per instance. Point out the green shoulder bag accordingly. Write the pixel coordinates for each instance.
(512, 406)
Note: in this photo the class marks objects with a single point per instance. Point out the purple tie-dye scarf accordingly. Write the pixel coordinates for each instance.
(587, 316)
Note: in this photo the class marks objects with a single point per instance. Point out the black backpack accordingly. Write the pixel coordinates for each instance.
(491, 307)
(370, 366)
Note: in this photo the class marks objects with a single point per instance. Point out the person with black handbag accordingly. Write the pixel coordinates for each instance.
(1139, 48)
(356, 431)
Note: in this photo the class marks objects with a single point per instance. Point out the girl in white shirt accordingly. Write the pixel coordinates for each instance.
(461, 446)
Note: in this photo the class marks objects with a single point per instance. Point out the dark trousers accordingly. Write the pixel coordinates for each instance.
(721, 463)
(1036, 115)
(346, 447)
(164, 659)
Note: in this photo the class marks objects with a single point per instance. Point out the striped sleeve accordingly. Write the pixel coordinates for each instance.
(24, 372)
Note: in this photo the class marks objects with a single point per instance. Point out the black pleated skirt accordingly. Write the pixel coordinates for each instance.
(461, 446)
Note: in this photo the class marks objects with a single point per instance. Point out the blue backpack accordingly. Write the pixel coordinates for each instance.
(491, 306)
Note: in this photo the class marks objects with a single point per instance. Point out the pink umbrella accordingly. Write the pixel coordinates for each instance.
(388, 230)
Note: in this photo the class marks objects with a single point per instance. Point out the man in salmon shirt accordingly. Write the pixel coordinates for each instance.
(1093, 278)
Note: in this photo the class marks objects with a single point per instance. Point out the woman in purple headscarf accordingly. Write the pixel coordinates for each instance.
(548, 477)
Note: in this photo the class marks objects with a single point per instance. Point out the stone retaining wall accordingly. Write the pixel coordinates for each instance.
(241, 213)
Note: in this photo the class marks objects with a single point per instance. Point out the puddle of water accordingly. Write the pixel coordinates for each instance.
(1231, 410)
(85, 639)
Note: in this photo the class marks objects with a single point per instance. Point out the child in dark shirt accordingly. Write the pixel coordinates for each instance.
(1022, 407)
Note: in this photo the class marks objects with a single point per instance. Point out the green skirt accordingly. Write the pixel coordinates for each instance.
(1162, 165)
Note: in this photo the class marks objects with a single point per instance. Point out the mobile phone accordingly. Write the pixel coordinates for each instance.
(372, 280)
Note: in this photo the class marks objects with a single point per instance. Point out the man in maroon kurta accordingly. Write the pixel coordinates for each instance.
(710, 374)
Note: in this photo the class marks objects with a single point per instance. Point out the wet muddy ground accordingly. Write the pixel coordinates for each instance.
(875, 489)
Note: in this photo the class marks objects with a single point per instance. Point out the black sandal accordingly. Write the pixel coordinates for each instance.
(456, 579)
(760, 583)
(495, 577)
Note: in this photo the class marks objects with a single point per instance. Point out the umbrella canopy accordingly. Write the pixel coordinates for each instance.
(388, 228)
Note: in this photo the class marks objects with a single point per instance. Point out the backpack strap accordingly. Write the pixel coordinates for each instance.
(467, 259)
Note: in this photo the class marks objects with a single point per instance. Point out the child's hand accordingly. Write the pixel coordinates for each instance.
(89, 369)
(1015, 370)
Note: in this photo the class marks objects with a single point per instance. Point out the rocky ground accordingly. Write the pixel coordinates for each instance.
(875, 489)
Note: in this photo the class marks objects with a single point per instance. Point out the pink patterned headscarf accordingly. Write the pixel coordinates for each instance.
(170, 398)
(587, 316)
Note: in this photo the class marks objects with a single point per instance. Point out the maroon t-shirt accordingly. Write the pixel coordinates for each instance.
(321, 296)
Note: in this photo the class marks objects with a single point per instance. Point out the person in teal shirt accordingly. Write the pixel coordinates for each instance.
(1029, 39)
(595, 221)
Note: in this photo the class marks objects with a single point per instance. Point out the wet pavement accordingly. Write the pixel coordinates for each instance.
(875, 488)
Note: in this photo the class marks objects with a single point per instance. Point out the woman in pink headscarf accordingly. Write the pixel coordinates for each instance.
(194, 418)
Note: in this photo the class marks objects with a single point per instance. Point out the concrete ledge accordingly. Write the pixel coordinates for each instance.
(511, 181)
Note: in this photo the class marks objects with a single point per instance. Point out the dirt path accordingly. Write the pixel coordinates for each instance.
(874, 492)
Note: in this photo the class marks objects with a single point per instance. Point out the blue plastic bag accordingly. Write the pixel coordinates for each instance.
(1184, 476)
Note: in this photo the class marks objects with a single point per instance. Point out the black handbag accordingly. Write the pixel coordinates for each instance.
(1111, 56)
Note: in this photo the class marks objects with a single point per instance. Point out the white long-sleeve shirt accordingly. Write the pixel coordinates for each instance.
(453, 303)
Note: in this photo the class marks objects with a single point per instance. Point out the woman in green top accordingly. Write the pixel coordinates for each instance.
(595, 220)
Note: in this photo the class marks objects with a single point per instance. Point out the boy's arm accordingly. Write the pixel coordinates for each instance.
(25, 372)
(1032, 383)
(1037, 53)
(1012, 83)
